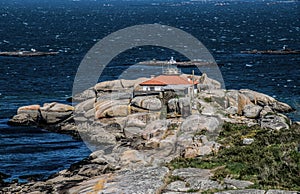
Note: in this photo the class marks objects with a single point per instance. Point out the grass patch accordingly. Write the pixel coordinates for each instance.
(271, 161)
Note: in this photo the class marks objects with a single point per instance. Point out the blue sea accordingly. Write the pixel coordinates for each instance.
(73, 27)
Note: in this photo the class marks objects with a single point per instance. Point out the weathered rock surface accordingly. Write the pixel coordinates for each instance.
(207, 83)
(147, 102)
(22, 119)
(237, 184)
(275, 122)
(139, 134)
(252, 111)
(196, 123)
(143, 181)
(50, 113)
(53, 113)
(85, 95)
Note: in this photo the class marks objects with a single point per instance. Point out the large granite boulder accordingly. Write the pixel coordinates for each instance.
(147, 180)
(53, 113)
(155, 129)
(86, 94)
(114, 85)
(133, 83)
(22, 119)
(118, 85)
(85, 106)
(252, 111)
(265, 100)
(112, 108)
(206, 83)
(196, 123)
(147, 102)
(275, 122)
(32, 110)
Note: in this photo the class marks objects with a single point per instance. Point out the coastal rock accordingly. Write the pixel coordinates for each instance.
(53, 113)
(258, 98)
(133, 83)
(273, 191)
(22, 119)
(206, 83)
(147, 180)
(282, 107)
(112, 108)
(116, 111)
(147, 102)
(231, 110)
(192, 173)
(232, 98)
(114, 96)
(246, 191)
(266, 110)
(251, 111)
(275, 122)
(237, 184)
(203, 184)
(155, 129)
(132, 132)
(118, 85)
(57, 107)
(96, 135)
(90, 114)
(242, 102)
(85, 95)
(177, 186)
(85, 105)
(192, 179)
(133, 157)
(141, 119)
(265, 100)
(32, 110)
(196, 123)
(114, 85)
(196, 149)
(135, 123)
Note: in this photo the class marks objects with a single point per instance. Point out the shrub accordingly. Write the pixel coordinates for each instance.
(271, 161)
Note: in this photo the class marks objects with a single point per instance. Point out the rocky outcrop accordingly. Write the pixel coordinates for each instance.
(252, 111)
(206, 83)
(265, 100)
(53, 113)
(138, 135)
(146, 180)
(48, 114)
(275, 121)
(147, 102)
(118, 85)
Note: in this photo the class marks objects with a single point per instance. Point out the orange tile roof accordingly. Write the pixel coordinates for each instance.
(163, 80)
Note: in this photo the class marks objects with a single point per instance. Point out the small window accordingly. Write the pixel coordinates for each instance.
(152, 88)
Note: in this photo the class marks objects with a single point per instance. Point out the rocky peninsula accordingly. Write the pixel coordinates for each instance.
(170, 143)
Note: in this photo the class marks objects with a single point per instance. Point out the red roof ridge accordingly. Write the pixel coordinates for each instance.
(163, 80)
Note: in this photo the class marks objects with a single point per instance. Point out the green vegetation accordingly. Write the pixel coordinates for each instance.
(171, 179)
(271, 161)
(207, 99)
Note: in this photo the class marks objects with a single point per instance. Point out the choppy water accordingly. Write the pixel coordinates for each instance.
(72, 27)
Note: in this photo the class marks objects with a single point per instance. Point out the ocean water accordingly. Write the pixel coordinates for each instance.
(73, 27)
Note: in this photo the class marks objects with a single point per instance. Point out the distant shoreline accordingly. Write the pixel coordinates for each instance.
(26, 53)
(178, 64)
